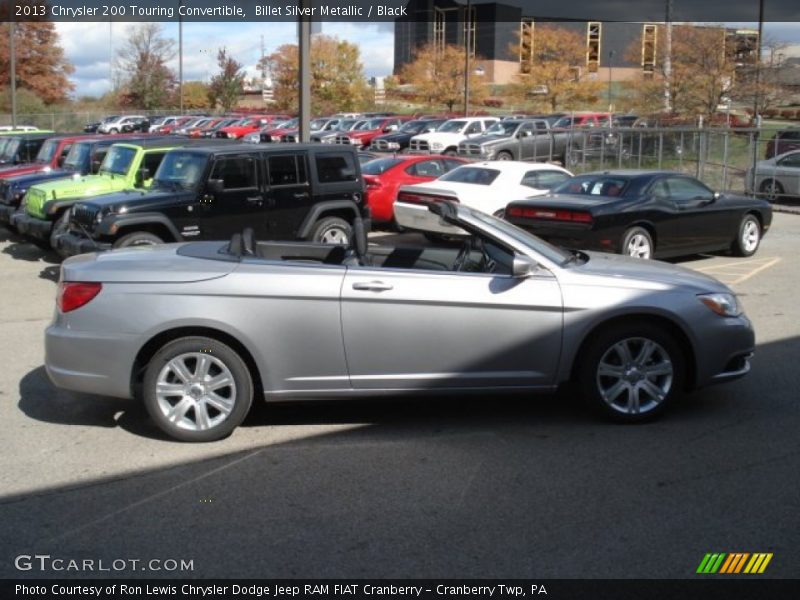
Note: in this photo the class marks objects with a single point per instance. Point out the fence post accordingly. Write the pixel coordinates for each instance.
(660, 147)
(725, 160)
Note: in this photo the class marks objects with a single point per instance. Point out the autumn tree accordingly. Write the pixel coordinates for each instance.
(196, 95)
(41, 66)
(226, 86)
(437, 74)
(337, 76)
(550, 69)
(763, 89)
(147, 81)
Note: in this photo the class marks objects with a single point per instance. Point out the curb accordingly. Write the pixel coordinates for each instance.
(784, 208)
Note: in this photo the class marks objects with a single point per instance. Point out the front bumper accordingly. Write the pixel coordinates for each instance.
(724, 351)
(71, 244)
(6, 212)
(31, 226)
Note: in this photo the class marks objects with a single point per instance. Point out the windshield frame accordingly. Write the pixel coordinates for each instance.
(11, 148)
(461, 124)
(51, 146)
(115, 149)
(171, 158)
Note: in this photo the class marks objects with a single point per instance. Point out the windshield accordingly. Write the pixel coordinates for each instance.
(118, 160)
(503, 128)
(474, 175)
(11, 148)
(452, 126)
(413, 127)
(564, 122)
(47, 151)
(78, 156)
(593, 185)
(370, 125)
(318, 124)
(180, 168)
(346, 125)
(529, 240)
(379, 166)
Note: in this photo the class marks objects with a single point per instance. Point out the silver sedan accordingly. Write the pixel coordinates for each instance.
(776, 177)
(198, 330)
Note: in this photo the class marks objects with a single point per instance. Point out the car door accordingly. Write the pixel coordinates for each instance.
(702, 222)
(788, 173)
(240, 203)
(525, 140)
(288, 193)
(415, 328)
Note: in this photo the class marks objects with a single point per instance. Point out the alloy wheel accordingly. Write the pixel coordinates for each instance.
(634, 376)
(751, 235)
(639, 246)
(195, 391)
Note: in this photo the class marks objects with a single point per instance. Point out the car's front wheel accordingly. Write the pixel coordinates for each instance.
(504, 155)
(631, 372)
(332, 230)
(638, 243)
(197, 389)
(138, 238)
(748, 238)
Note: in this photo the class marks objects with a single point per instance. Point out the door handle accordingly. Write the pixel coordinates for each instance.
(372, 286)
(301, 195)
(255, 199)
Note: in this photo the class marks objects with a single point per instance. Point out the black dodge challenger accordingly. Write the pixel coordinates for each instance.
(646, 214)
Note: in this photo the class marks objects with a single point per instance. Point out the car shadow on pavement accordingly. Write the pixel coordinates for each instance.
(50, 273)
(22, 248)
(42, 401)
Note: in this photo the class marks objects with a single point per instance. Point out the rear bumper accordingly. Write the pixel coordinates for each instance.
(71, 244)
(28, 225)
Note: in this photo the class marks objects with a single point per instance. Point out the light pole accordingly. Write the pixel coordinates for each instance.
(180, 58)
(467, 31)
(610, 70)
(13, 58)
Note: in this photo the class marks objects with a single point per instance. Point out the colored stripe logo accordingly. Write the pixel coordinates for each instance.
(734, 563)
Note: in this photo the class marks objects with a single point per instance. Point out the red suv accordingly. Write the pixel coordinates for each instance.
(363, 136)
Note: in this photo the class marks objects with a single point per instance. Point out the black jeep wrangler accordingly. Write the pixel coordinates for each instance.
(298, 192)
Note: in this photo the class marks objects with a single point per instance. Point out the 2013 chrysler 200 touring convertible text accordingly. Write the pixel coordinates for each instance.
(197, 330)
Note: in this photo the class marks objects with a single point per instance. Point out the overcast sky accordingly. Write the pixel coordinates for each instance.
(89, 46)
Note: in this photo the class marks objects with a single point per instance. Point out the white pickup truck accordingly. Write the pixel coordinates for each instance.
(446, 138)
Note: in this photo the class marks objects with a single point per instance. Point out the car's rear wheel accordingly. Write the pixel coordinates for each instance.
(638, 243)
(631, 372)
(749, 237)
(197, 389)
(772, 190)
(332, 230)
(138, 238)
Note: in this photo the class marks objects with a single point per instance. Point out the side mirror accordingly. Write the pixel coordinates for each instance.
(389, 128)
(142, 175)
(60, 160)
(523, 266)
(96, 165)
(716, 196)
(216, 186)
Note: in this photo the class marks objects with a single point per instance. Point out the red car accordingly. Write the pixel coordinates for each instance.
(50, 156)
(275, 135)
(249, 125)
(384, 176)
(170, 126)
(363, 136)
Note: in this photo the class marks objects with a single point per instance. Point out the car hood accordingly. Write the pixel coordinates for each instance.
(140, 200)
(489, 139)
(14, 170)
(30, 179)
(438, 136)
(396, 136)
(143, 264)
(657, 273)
(71, 188)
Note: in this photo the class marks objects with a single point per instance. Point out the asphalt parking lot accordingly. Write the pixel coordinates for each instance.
(464, 487)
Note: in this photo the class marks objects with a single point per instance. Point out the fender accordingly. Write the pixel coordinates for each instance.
(117, 222)
(323, 207)
(51, 208)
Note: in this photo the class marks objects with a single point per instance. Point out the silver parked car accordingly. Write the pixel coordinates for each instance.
(776, 177)
(197, 330)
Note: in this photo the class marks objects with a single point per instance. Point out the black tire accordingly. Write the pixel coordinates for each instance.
(500, 214)
(59, 227)
(771, 189)
(332, 230)
(748, 236)
(450, 152)
(638, 237)
(504, 155)
(113, 131)
(138, 238)
(197, 399)
(646, 388)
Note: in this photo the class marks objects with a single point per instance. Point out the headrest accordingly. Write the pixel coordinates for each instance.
(248, 242)
(235, 246)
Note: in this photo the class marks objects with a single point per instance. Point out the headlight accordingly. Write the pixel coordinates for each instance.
(275, 138)
(393, 146)
(99, 217)
(231, 135)
(725, 305)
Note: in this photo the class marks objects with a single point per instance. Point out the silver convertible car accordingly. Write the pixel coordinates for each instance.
(198, 330)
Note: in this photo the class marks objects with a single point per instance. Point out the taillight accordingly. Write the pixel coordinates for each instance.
(572, 216)
(74, 294)
(423, 198)
(372, 183)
